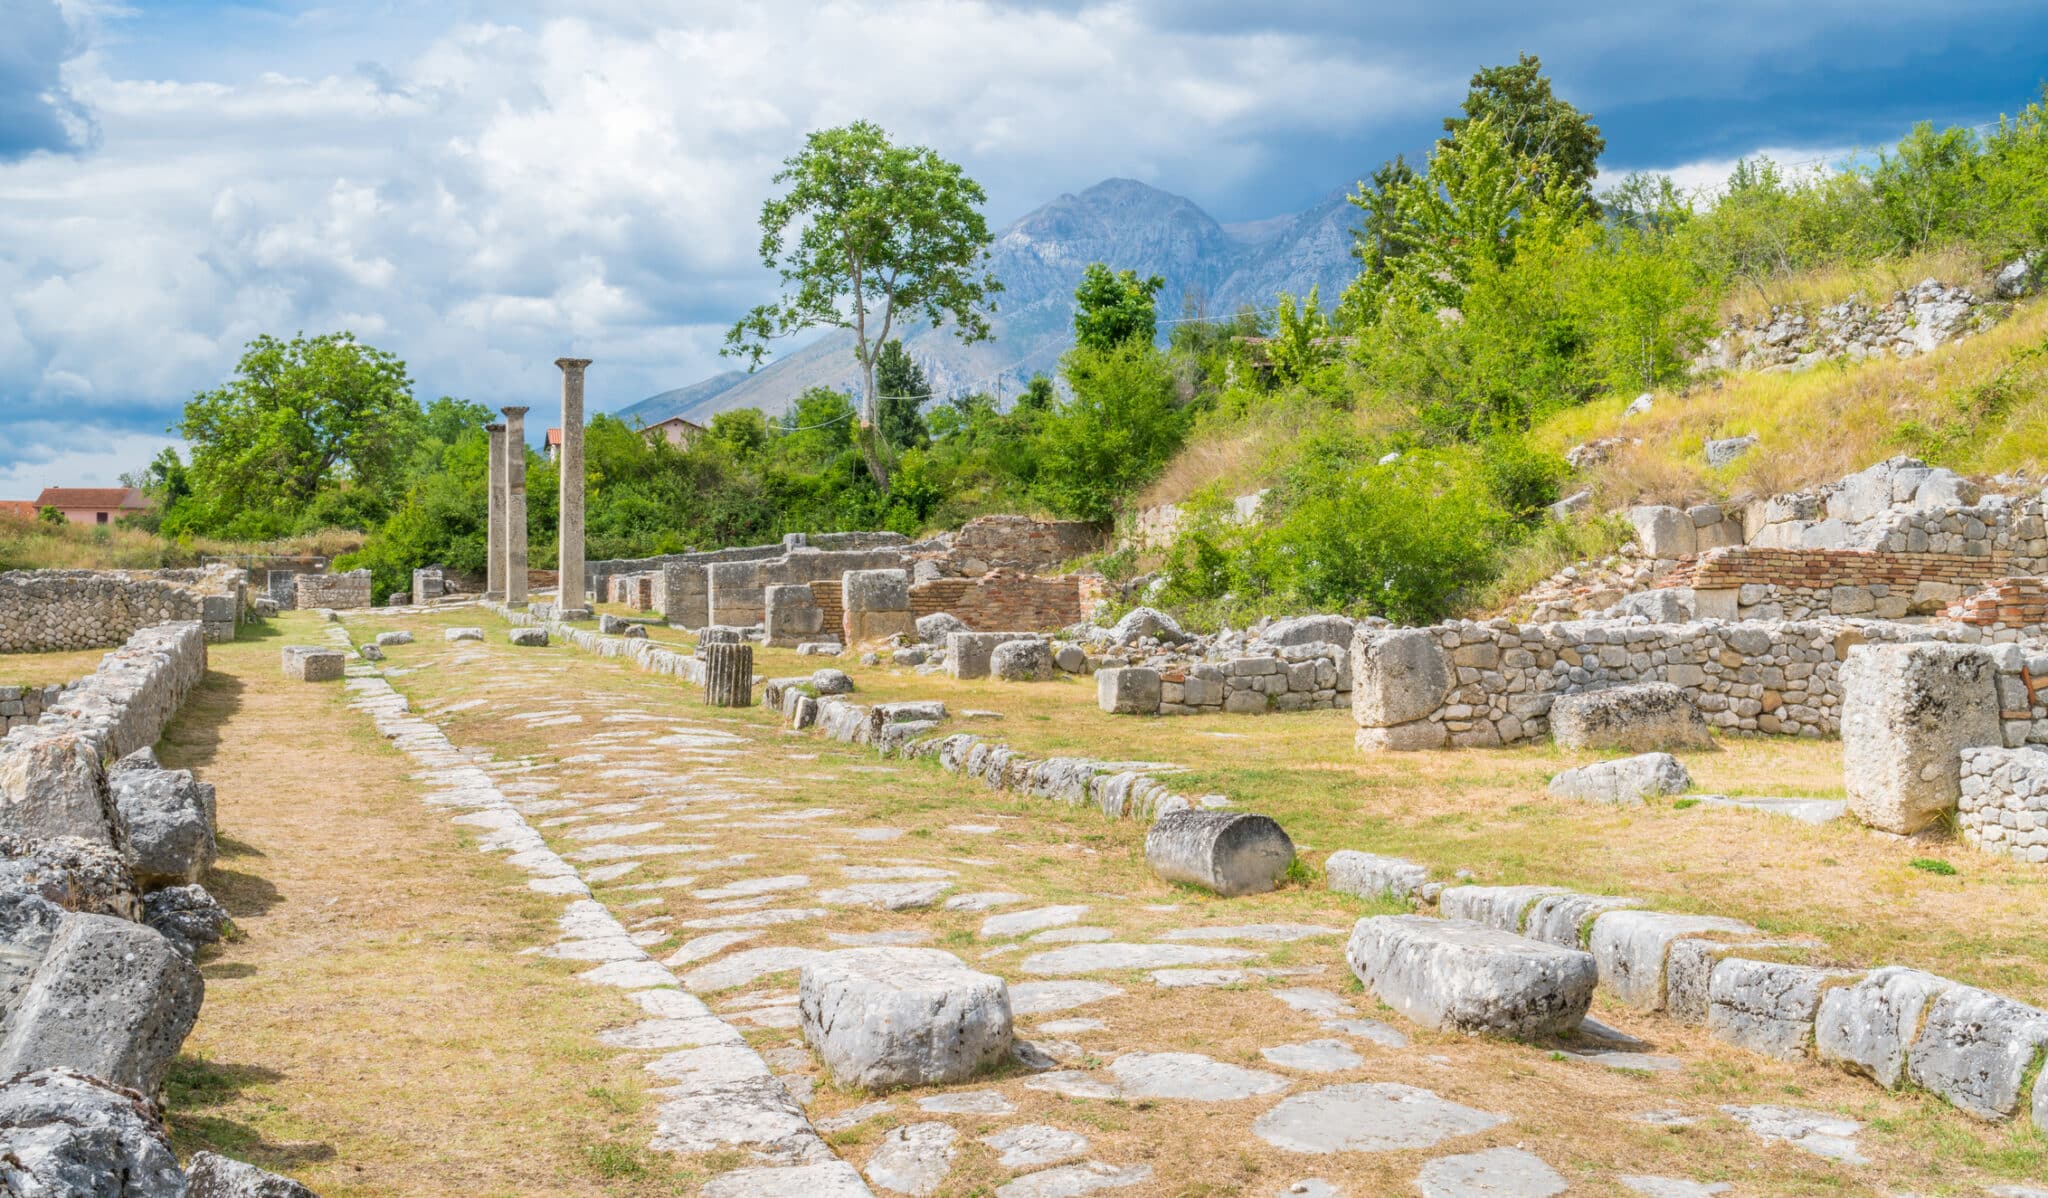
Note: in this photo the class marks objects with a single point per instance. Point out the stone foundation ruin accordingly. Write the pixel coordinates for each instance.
(47, 610)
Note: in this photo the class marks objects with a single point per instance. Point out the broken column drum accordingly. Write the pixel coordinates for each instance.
(728, 674)
(569, 535)
(1229, 852)
(494, 548)
(515, 506)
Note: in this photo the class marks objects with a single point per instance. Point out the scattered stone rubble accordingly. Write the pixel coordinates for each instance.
(1912, 322)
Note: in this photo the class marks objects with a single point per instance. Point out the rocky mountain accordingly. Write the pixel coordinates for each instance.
(1209, 268)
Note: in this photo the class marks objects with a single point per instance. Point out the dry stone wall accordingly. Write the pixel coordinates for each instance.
(21, 705)
(1472, 684)
(1753, 583)
(2004, 803)
(46, 610)
(124, 704)
(1002, 542)
(343, 591)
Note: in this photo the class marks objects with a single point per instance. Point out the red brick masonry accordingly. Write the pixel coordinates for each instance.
(1820, 569)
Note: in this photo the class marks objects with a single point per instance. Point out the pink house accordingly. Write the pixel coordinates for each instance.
(93, 505)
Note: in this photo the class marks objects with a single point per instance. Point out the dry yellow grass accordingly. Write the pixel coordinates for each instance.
(375, 1031)
(43, 669)
(1474, 809)
(1875, 281)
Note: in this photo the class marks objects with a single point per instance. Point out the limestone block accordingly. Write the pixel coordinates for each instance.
(462, 634)
(831, 682)
(1228, 852)
(968, 653)
(530, 638)
(212, 1175)
(399, 637)
(791, 615)
(70, 1134)
(75, 874)
(1311, 630)
(936, 627)
(1869, 1027)
(1369, 875)
(110, 998)
(1975, 1049)
(1663, 605)
(168, 817)
(27, 922)
(1414, 736)
(1128, 690)
(1454, 974)
(881, 1018)
(1071, 659)
(1908, 711)
(1021, 661)
(313, 663)
(1664, 531)
(1504, 907)
(1398, 675)
(1142, 622)
(370, 652)
(1727, 449)
(187, 916)
(52, 784)
(1629, 780)
(1641, 718)
(1631, 946)
(1766, 1006)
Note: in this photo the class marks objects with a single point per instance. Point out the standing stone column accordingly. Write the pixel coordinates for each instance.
(515, 506)
(494, 560)
(728, 674)
(569, 534)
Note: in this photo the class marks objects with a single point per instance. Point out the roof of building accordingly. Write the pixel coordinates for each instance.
(91, 497)
(678, 420)
(19, 508)
(554, 436)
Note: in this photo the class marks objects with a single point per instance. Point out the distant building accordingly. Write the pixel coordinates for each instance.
(676, 431)
(19, 509)
(552, 447)
(93, 505)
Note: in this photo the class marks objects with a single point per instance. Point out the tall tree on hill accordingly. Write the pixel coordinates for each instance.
(1113, 308)
(1558, 143)
(870, 232)
(903, 392)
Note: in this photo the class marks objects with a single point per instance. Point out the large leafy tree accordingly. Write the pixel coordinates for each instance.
(1112, 308)
(300, 418)
(1559, 145)
(867, 234)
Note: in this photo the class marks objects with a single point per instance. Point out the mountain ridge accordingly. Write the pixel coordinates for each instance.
(1209, 268)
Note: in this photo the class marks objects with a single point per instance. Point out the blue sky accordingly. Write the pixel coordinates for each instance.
(484, 187)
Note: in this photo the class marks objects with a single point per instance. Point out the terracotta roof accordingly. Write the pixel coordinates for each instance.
(678, 420)
(554, 436)
(91, 497)
(21, 509)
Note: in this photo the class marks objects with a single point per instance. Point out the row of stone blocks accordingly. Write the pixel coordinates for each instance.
(1306, 680)
(1469, 971)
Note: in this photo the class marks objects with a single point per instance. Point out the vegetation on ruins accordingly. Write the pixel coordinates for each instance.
(1408, 434)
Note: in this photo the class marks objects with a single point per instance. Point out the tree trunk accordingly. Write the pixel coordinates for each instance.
(728, 674)
(869, 434)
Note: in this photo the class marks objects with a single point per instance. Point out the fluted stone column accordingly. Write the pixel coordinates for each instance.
(515, 506)
(569, 526)
(494, 542)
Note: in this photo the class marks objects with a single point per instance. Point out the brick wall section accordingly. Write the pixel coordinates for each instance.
(2006, 603)
(1818, 569)
(1003, 601)
(1021, 543)
(833, 603)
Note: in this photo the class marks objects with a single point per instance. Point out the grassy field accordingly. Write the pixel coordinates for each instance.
(45, 669)
(1483, 811)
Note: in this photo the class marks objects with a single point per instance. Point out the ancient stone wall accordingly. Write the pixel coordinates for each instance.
(349, 589)
(2004, 804)
(1016, 543)
(1156, 527)
(1002, 600)
(1753, 583)
(2007, 605)
(21, 705)
(736, 592)
(45, 610)
(1303, 678)
(124, 704)
(1475, 684)
(598, 571)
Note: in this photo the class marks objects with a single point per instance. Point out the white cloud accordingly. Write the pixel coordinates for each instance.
(73, 463)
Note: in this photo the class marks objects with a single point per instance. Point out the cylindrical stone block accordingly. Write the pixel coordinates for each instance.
(728, 674)
(494, 548)
(1229, 852)
(569, 534)
(515, 506)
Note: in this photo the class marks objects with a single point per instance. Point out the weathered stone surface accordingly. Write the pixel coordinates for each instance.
(1454, 974)
(188, 917)
(110, 999)
(1034, 1144)
(1021, 661)
(1189, 1076)
(1664, 531)
(1641, 718)
(1975, 1049)
(75, 874)
(1073, 1181)
(1494, 1173)
(1142, 622)
(1563, 919)
(1908, 711)
(1314, 1056)
(1503, 907)
(836, 1179)
(1817, 1132)
(27, 922)
(1094, 958)
(312, 663)
(1020, 923)
(1398, 675)
(1869, 1027)
(398, 637)
(168, 815)
(936, 627)
(1228, 852)
(212, 1175)
(1368, 1117)
(1369, 875)
(66, 1134)
(1765, 1006)
(831, 682)
(1671, 1187)
(530, 638)
(886, 1017)
(462, 634)
(1627, 781)
(1043, 998)
(913, 1159)
(52, 785)
(1630, 948)
(1128, 690)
